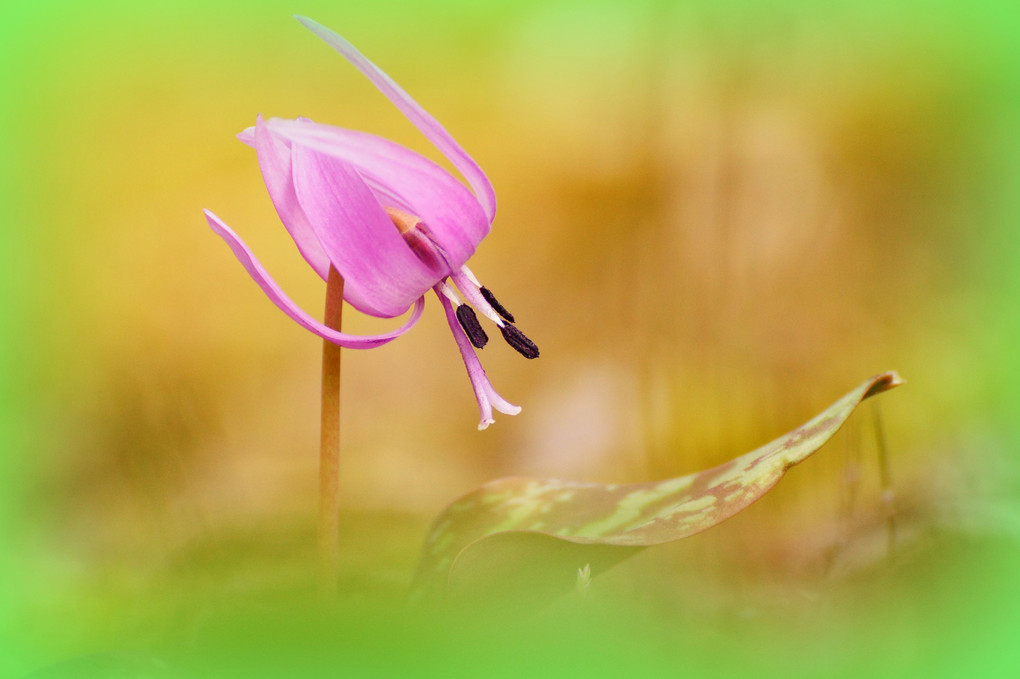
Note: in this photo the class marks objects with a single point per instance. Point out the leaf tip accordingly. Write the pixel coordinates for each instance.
(884, 382)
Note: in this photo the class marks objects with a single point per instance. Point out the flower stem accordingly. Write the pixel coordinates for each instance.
(329, 449)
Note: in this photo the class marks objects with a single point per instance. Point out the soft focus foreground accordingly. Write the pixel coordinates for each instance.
(718, 219)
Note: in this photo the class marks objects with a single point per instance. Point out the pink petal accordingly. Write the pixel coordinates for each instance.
(275, 163)
(428, 125)
(277, 296)
(382, 275)
(247, 135)
(484, 393)
(400, 178)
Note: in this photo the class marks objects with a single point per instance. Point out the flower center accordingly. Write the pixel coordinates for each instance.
(417, 237)
(404, 221)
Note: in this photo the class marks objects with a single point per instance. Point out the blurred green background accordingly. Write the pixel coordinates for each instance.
(714, 218)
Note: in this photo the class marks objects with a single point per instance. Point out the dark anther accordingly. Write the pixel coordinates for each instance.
(519, 341)
(469, 321)
(500, 309)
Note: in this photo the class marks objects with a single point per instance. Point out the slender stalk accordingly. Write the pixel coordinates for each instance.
(329, 448)
(885, 477)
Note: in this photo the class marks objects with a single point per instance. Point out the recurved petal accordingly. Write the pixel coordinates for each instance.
(401, 178)
(428, 125)
(382, 275)
(280, 299)
(275, 164)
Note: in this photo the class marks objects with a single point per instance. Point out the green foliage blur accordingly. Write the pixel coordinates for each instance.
(714, 218)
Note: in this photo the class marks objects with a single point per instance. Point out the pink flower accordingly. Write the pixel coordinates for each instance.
(393, 223)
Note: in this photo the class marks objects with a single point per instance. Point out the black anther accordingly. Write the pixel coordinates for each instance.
(473, 329)
(500, 309)
(519, 341)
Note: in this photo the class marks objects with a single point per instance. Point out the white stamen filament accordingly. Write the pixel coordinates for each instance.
(448, 291)
(471, 277)
(474, 298)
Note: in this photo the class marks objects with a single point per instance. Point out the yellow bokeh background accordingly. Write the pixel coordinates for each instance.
(714, 219)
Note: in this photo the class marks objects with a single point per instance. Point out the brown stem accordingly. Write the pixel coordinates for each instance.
(329, 449)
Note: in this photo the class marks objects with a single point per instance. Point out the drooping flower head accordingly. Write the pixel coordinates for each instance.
(393, 223)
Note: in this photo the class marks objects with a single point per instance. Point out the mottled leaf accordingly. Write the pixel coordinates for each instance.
(511, 527)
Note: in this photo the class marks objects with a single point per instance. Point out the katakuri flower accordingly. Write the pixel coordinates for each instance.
(393, 223)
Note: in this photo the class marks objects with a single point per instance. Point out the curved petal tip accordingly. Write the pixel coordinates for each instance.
(285, 304)
(418, 116)
(247, 136)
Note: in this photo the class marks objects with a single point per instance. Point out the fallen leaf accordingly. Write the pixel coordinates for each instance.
(524, 529)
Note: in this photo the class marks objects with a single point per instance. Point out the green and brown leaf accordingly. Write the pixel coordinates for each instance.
(501, 530)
